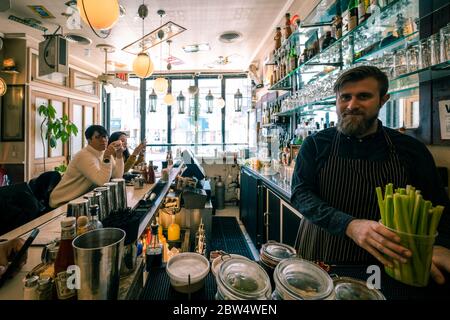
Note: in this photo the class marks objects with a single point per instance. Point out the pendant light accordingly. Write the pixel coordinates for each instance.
(143, 64)
(100, 15)
(220, 103)
(209, 102)
(181, 100)
(238, 101)
(169, 98)
(152, 99)
(161, 84)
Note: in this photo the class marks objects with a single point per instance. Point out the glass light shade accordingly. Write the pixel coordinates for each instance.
(220, 103)
(101, 14)
(209, 102)
(152, 99)
(181, 100)
(160, 85)
(143, 65)
(169, 99)
(238, 101)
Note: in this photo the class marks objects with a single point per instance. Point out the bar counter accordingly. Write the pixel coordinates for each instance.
(50, 228)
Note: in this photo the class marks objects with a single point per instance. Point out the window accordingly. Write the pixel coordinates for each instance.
(156, 126)
(123, 112)
(183, 125)
(209, 125)
(236, 123)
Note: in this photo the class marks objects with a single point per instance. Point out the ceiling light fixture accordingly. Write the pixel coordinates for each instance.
(196, 47)
(209, 102)
(143, 65)
(100, 15)
(238, 101)
(181, 99)
(152, 99)
(161, 84)
(157, 36)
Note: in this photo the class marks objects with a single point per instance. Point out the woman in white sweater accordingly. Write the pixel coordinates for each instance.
(91, 167)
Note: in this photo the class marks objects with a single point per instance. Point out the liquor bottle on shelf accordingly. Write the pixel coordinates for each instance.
(337, 26)
(151, 173)
(328, 40)
(287, 26)
(293, 56)
(64, 259)
(277, 38)
(352, 14)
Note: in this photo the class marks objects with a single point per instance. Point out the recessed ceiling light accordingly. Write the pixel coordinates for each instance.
(196, 47)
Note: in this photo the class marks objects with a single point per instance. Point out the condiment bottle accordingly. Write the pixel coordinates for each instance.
(173, 232)
(287, 25)
(153, 254)
(65, 259)
(150, 173)
(30, 289)
(94, 222)
(82, 225)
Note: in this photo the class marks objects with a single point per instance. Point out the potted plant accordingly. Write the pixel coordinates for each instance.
(57, 128)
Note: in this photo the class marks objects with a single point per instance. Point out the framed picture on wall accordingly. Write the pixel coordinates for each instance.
(13, 114)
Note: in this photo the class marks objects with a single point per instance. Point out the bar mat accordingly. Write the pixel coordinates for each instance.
(158, 288)
(394, 290)
(227, 235)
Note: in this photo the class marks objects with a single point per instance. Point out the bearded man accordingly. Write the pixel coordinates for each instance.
(338, 169)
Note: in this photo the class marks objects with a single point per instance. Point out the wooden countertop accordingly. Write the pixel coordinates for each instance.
(49, 225)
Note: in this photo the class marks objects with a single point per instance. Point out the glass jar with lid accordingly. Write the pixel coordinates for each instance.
(240, 279)
(272, 253)
(299, 279)
(346, 288)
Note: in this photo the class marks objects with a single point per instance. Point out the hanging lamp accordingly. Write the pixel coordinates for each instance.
(238, 101)
(100, 15)
(181, 100)
(152, 99)
(161, 84)
(143, 64)
(209, 102)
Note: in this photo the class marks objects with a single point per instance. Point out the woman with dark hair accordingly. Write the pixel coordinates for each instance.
(130, 160)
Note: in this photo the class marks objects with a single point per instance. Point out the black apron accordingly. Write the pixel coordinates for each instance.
(348, 185)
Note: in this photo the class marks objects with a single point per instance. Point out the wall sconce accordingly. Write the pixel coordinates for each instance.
(181, 100)
(238, 101)
(9, 66)
(209, 102)
(152, 99)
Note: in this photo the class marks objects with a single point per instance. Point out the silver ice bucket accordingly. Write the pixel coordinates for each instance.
(121, 193)
(98, 254)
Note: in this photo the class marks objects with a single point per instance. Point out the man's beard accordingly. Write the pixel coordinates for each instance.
(355, 123)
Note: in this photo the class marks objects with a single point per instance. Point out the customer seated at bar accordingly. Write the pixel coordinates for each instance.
(138, 152)
(91, 167)
(338, 169)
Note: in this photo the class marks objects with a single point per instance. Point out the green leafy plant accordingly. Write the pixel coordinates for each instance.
(57, 128)
(61, 168)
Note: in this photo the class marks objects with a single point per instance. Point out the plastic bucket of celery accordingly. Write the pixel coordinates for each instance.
(415, 221)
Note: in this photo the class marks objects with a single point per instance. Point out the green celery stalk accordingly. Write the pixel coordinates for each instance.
(436, 214)
(389, 212)
(389, 191)
(423, 219)
(416, 213)
(381, 204)
(406, 217)
(398, 212)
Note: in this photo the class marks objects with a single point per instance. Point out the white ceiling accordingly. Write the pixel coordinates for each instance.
(204, 20)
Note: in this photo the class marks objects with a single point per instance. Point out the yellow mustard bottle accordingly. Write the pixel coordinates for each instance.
(173, 232)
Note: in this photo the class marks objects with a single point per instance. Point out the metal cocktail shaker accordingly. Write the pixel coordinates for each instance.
(121, 193)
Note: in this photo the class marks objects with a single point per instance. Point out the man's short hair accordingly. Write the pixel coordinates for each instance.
(361, 73)
(95, 128)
